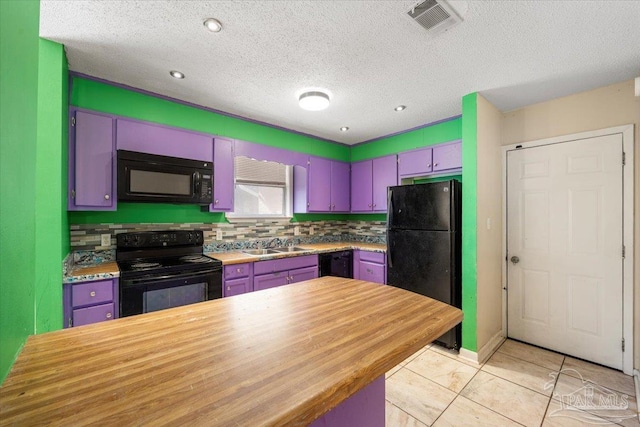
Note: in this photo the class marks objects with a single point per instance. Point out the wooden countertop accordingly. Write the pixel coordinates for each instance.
(282, 356)
(238, 257)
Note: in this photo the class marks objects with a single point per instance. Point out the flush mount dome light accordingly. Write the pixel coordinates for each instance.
(400, 107)
(176, 74)
(314, 101)
(213, 25)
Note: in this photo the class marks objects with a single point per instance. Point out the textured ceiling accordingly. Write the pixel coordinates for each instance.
(369, 54)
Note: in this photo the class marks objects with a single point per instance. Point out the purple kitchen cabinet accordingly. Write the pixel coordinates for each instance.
(447, 156)
(283, 264)
(237, 286)
(238, 279)
(302, 274)
(323, 186)
(340, 186)
(361, 186)
(90, 302)
(223, 178)
(272, 280)
(369, 266)
(415, 163)
(91, 162)
(166, 141)
(319, 185)
(369, 182)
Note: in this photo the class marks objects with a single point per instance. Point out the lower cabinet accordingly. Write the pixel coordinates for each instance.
(90, 302)
(284, 271)
(238, 279)
(370, 266)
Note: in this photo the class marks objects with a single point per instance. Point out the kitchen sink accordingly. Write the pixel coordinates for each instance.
(260, 251)
(290, 249)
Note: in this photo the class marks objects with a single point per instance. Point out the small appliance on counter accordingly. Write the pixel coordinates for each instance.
(424, 244)
(338, 264)
(164, 269)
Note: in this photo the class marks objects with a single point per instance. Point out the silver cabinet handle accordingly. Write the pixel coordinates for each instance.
(216, 202)
(515, 259)
(435, 164)
(109, 315)
(107, 197)
(428, 165)
(92, 294)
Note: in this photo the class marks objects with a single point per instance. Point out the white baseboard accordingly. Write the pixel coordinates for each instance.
(485, 352)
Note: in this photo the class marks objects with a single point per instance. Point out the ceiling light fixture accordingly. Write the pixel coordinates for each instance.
(176, 74)
(314, 101)
(344, 129)
(213, 25)
(400, 107)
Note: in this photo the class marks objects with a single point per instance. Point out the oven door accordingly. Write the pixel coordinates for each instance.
(148, 294)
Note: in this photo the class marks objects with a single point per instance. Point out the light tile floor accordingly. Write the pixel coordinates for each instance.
(520, 385)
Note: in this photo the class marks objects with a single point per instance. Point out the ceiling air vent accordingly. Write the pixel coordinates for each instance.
(435, 16)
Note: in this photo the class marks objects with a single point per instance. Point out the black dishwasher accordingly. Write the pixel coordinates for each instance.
(336, 264)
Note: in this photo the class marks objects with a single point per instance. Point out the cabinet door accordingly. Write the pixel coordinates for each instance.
(340, 186)
(94, 314)
(237, 287)
(361, 186)
(223, 179)
(371, 272)
(235, 271)
(92, 163)
(92, 293)
(319, 185)
(272, 280)
(302, 274)
(415, 163)
(447, 156)
(385, 174)
(162, 140)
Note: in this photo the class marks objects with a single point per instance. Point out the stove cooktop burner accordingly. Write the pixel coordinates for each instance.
(138, 265)
(195, 258)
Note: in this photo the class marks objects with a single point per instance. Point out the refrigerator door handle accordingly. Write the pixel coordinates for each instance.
(389, 221)
(389, 256)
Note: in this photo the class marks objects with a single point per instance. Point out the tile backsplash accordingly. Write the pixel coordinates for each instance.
(237, 235)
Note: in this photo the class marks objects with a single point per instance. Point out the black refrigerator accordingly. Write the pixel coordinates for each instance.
(423, 244)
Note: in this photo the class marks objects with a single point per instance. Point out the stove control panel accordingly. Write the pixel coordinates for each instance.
(154, 239)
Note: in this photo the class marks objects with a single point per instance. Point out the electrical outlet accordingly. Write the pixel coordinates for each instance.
(105, 240)
(311, 231)
(218, 234)
(296, 230)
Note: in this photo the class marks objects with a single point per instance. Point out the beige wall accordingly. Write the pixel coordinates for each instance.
(489, 208)
(600, 108)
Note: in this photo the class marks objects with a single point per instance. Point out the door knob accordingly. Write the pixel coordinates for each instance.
(515, 259)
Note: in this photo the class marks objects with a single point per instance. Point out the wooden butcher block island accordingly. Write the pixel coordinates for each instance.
(288, 356)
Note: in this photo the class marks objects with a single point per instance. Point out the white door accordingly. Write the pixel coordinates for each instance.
(564, 246)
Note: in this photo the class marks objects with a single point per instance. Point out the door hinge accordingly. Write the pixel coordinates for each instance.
(623, 251)
(624, 158)
(73, 194)
(73, 121)
(623, 344)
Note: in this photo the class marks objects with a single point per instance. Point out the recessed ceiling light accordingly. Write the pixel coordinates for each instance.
(176, 74)
(314, 101)
(400, 107)
(213, 25)
(344, 129)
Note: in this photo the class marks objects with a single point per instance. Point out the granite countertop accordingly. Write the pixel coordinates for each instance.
(324, 340)
(109, 270)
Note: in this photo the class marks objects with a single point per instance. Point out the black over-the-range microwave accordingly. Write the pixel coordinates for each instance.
(146, 177)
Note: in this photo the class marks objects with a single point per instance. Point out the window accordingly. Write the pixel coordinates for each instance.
(262, 189)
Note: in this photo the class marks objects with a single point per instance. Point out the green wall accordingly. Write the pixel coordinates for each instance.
(52, 228)
(18, 111)
(469, 230)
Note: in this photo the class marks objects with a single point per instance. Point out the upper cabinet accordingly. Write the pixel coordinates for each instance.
(165, 141)
(223, 169)
(369, 182)
(323, 186)
(425, 161)
(91, 162)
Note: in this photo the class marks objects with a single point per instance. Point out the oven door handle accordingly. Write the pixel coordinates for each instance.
(156, 278)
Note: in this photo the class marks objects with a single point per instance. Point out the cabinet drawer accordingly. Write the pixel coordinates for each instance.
(371, 272)
(237, 287)
(92, 293)
(98, 313)
(377, 257)
(236, 270)
(264, 267)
